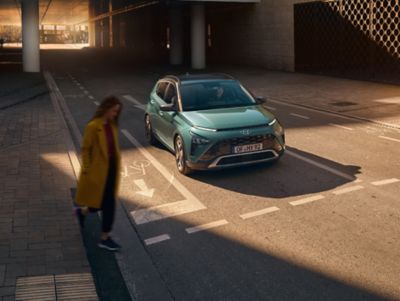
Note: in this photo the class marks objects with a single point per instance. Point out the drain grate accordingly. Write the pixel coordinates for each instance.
(56, 287)
(344, 103)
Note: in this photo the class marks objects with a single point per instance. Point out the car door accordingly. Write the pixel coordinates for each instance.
(156, 100)
(167, 119)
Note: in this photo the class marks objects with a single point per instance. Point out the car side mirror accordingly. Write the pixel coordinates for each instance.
(168, 107)
(261, 99)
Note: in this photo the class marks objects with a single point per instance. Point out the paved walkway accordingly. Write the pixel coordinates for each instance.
(39, 235)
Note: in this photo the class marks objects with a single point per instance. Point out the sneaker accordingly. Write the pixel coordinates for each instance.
(80, 216)
(109, 244)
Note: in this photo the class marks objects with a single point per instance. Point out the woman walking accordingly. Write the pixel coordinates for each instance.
(99, 178)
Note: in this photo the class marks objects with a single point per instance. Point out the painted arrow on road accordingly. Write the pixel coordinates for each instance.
(144, 190)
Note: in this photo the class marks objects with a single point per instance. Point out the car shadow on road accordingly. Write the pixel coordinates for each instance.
(296, 173)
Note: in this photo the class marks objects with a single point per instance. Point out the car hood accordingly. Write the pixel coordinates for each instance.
(229, 118)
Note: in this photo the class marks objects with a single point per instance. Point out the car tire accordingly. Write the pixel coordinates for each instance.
(180, 156)
(149, 131)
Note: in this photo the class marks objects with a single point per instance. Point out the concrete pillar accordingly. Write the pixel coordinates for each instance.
(176, 37)
(198, 36)
(110, 25)
(30, 36)
(92, 24)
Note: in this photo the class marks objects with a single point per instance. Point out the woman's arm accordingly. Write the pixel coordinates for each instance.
(87, 145)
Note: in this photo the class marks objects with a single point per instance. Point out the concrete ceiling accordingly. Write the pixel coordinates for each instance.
(62, 12)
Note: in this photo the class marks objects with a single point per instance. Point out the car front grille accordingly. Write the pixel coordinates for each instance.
(224, 147)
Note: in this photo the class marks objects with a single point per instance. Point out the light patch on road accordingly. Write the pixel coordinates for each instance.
(81, 87)
(341, 126)
(206, 226)
(389, 138)
(271, 108)
(86, 92)
(385, 182)
(91, 97)
(96, 103)
(307, 200)
(348, 189)
(299, 116)
(134, 101)
(259, 212)
(322, 166)
(156, 239)
(190, 204)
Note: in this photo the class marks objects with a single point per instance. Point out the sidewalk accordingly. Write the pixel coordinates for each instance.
(39, 236)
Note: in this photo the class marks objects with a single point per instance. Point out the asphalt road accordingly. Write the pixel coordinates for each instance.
(321, 224)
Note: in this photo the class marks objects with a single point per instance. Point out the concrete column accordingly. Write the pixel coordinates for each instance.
(176, 37)
(198, 36)
(91, 24)
(110, 25)
(30, 36)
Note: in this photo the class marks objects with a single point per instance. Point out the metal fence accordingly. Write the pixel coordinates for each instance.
(351, 38)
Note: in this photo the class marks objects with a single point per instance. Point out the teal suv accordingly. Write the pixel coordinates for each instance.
(211, 121)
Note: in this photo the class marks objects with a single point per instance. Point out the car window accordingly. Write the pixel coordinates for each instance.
(170, 94)
(160, 90)
(213, 94)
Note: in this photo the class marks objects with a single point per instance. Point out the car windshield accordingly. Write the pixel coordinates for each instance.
(206, 95)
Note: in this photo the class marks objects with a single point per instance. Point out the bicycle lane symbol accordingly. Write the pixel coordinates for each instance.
(137, 167)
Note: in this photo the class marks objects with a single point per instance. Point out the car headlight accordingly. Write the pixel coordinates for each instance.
(278, 129)
(199, 140)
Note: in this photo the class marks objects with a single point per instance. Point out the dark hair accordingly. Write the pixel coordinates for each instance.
(107, 104)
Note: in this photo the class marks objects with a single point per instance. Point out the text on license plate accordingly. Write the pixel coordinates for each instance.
(248, 148)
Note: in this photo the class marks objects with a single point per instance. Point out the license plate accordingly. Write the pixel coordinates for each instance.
(247, 148)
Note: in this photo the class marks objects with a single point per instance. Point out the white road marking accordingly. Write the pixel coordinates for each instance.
(156, 239)
(322, 166)
(259, 212)
(348, 189)
(341, 126)
(385, 182)
(307, 200)
(300, 116)
(96, 103)
(358, 181)
(86, 92)
(81, 87)
(271, 108)
(190, 204)
(91, 97)
(135, 102)
(144, 190)
(389, 138)
(206, 226)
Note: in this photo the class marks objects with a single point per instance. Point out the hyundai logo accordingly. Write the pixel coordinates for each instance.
(245, 132)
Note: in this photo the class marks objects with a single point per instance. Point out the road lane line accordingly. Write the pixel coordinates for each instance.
(81, 87)
(96, 103)
(320, 165)
(206, 226)
(259, 212)
(385, 182)
(91, 97)
(270, 108)
(86, 92)
(156, 239)
(300, 116)
(135, 102)
(348, 189)
(307, 200)
(190, 204)
(389, 138)
(341, 126)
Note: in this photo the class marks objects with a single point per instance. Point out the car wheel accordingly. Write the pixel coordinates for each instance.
(149, 131)
(180, 156)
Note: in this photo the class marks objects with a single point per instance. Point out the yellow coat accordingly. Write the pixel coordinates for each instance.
(95, 159)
